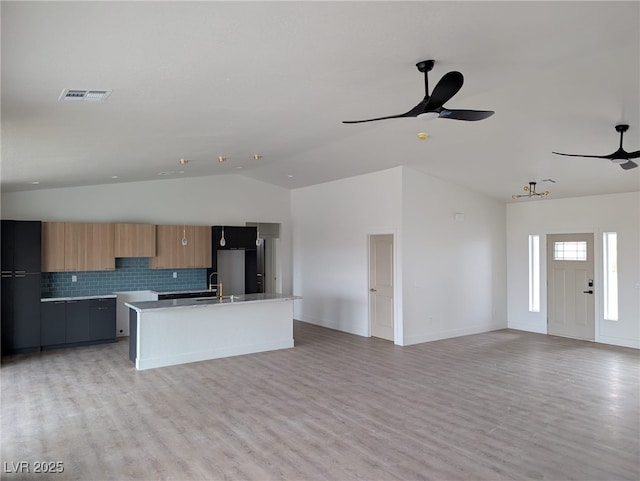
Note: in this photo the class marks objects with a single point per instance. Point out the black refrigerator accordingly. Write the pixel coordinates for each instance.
(20, 294)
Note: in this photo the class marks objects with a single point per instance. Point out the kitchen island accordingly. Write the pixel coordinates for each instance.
(177, 331)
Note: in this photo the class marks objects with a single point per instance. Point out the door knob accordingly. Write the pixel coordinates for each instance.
(588, 292)
(372, 290)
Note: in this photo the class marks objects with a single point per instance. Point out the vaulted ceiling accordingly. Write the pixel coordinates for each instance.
(200, 80)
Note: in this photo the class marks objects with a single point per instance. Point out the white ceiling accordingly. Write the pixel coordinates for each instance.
(202, 79)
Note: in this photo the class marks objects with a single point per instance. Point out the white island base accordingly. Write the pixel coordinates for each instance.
(170, 332)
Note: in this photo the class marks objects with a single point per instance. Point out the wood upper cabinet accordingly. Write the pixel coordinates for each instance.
(135, 240)
(77, 246)
(100, 247)
(172, 254)
(53, 247)
(202, 246)
(166, 247)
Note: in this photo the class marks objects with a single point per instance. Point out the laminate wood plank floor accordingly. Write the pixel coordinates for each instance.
(503, 405)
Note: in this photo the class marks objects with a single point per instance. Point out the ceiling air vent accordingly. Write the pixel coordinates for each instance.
(75, 95)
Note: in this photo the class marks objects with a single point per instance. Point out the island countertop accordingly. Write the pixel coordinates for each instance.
(142, 306)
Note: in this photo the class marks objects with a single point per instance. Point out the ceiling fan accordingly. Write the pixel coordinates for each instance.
(432, 106)
(620, 156)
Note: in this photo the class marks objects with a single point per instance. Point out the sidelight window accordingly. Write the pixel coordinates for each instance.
(534, 273)
(610, 256)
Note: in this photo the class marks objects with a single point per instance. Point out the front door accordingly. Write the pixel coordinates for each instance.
(381, 309)
(570, 288)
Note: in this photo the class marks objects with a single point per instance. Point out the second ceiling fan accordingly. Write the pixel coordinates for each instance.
(432, 106)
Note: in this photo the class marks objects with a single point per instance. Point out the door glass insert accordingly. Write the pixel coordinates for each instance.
(570, 251)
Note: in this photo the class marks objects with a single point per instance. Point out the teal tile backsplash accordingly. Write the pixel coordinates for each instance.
(131, 274)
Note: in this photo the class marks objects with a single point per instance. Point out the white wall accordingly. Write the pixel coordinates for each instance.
(595, 214)
(214, 200)
(450, 276)
(331, 223)
(454, 270)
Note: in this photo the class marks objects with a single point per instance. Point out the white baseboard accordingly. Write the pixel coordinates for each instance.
(449, 333)
(213, 354)
(330, 324)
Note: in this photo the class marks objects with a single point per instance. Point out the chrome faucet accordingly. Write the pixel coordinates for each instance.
(210, 284)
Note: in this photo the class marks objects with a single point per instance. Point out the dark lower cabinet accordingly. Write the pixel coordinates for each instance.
(77, 322)
(85, 321)
(102, 319)
(53, 323)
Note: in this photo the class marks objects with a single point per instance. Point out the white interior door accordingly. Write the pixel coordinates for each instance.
(381, 308)
(570, 286)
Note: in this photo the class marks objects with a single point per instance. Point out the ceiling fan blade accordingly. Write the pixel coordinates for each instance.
(458, 114)
(446, 88)
(633, 155)
(373, 120)
(629, 165)
(418, 109)
(581, 155)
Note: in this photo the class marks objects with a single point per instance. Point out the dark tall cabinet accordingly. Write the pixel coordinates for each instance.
(20, 297)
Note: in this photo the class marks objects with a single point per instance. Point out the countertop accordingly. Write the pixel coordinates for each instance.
(114, 295)
(208, 301)
(78, 298)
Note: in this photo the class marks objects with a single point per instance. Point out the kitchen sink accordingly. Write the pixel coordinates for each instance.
(224, 298)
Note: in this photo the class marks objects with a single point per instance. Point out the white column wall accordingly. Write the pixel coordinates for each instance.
(595, 214)
(213, 200)
(454, 272)
(331, 224)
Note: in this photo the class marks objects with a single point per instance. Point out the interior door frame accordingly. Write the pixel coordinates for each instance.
(597, 273)
(397, 287)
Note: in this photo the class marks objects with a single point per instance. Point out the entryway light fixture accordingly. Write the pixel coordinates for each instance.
(222, 241)
(257, 156)
(531, 192)
(221, 158)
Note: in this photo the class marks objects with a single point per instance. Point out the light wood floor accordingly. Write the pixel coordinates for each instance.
(505, 405)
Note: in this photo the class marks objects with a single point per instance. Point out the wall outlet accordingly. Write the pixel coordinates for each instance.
(74, 278)
(175, 275)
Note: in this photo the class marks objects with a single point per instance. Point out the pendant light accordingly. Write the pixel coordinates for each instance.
(184, 236)
(222, 241)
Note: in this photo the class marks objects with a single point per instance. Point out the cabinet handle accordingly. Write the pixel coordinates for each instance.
(7, 272)
(72, 302)
(59, 302)
(102, 308)
(21, 272)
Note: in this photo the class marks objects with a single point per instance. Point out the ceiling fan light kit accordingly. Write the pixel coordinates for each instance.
(620, 156)
(432, 106)
(531, 192)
